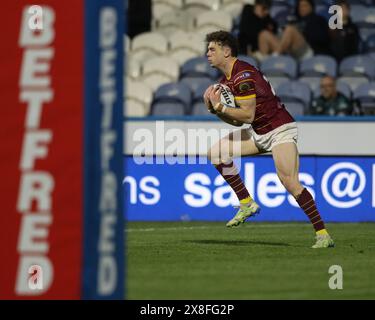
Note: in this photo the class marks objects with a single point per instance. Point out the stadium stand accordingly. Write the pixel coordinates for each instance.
(159, 70)
(178, 33)
(365, 93)
(172, 99)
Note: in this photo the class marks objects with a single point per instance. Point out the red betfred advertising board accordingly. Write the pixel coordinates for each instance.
(41, 85)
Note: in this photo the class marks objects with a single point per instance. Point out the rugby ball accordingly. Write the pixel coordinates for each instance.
(226, 96)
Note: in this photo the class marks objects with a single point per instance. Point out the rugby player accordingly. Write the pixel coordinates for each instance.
(272, 129)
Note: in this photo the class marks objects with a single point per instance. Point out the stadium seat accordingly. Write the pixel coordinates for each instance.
(185, 46)
(210, 21)
(200, 109)
(370, 43)
(312, 82)
(138, 97)
(197, 86)
(295, 108)
(248, 59)
(363, 16)
(276, 81)
(282, 18)
(148, 44)
(233, 7)
(279, 66)
(357, 65)
(366, 32)
(175, 20)
(198, 67)
(161, 7)
(318, 65)
(295, 91)
(194, 7)
(133, 68)
(341, 86)
(158, 71)
(168, 109)
(353, 82)
(365, 93)
(176, 93)
(278, 8)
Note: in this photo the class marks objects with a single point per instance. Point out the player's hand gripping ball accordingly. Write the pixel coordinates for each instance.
(226, 96)
(226, 99)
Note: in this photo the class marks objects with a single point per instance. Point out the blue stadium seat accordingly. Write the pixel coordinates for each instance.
(282, 18)
(311, 81)
(197, 86)
(278, 7)
(279, 66)
(295, 91)
(276, 81)
(353, 82)
(295, 108)
(363, 16)
(318, 65)
(357, 65)
(198, 67)
(173, 93)
(370, 43)
(168, 109)
(248, 59)
(365, 93)
(199, 109)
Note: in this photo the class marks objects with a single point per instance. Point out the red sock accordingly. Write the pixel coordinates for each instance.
(307, 204)
(231, 176)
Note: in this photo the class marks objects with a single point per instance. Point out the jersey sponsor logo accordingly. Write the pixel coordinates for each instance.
(242, 76)
(245, 86)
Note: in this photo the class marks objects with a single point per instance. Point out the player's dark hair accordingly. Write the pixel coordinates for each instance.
(224, 38)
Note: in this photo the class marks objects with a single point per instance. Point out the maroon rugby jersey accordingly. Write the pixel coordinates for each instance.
(248, 82)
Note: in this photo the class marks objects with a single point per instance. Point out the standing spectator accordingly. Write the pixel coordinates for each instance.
(330, 102)
(344, 42)
(254, 19)
(306, 34)
(139, 17)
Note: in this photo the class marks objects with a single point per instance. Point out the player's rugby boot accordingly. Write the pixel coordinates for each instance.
(245, 211)
(323, 241)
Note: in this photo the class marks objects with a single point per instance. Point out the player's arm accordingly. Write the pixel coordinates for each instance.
(245, 113)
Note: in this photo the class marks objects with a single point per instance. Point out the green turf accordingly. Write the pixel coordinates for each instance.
(204, 260)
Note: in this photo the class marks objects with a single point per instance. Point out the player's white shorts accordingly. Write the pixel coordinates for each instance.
(285, 133)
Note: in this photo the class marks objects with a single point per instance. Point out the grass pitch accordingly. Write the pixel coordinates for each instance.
(206, 260)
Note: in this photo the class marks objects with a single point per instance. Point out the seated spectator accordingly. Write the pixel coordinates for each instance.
(305, 34)
(344, 42)
(330, 102)
(254, 19)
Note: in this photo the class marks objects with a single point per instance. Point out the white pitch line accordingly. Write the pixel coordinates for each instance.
(284, 225)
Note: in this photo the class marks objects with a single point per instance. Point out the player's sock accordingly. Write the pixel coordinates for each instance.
(307, 204)
(231, 176)
(322, 232)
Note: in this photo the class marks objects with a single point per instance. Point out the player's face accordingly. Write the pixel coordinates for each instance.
(215, 54)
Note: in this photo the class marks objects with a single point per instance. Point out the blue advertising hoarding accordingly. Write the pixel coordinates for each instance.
(103, 264)
(157, 190)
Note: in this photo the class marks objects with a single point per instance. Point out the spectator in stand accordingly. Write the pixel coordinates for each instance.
(254, 19)
(139, 17)
(330, 102)
(345, 41)
(306, 34)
